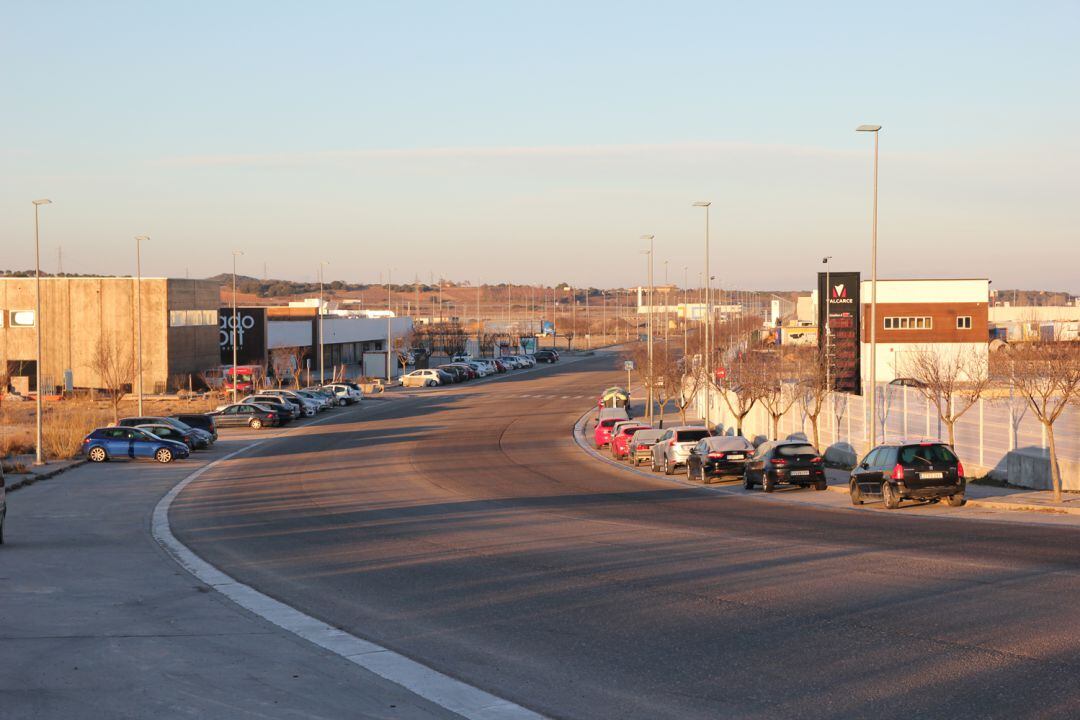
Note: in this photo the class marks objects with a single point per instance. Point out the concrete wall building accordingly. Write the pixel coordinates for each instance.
(179, 328)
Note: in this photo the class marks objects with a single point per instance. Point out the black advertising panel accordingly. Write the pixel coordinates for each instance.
(839, 328)
(250, 335)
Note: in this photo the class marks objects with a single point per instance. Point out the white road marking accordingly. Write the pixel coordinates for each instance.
(451, 694)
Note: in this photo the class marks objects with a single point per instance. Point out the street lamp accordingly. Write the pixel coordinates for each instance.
(649, 253)
(876, 129)
(235, 253)
(322, 264)
(389, 324)
(828, 329)
(708, 315)
(138, 310)
(39, 458)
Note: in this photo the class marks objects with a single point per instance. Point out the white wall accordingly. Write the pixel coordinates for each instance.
(929, 291)
(891, 357)
(288, 333)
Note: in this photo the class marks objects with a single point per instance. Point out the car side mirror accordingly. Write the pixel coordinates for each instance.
(865, 466)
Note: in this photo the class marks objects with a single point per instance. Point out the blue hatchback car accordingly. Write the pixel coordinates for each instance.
(125, 442)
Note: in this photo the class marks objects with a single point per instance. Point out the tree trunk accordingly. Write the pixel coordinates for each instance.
(1055, 471)
(814, 426)
(951, 424)
(775, 427)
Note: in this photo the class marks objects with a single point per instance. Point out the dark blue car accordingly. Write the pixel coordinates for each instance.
(125, 442)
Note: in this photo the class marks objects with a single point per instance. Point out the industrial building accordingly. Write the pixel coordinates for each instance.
(78, 314)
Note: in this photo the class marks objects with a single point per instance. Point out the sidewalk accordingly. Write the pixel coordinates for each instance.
(35, 473)
(98, 622)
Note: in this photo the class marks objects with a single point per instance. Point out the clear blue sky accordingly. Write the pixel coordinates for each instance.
(537, 141)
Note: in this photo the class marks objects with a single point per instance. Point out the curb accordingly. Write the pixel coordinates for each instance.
(38, 477)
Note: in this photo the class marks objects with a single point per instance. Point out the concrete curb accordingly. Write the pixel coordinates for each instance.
(34, 477)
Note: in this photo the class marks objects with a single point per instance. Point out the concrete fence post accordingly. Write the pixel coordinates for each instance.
(982, 447)
(905, 411)
(847, 416)
(927, 418)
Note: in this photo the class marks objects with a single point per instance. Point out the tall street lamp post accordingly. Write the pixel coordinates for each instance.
(322, 264)
(650, 377)
(389, 326)
(138, 311)
(708, 317)
(875, 129)
(39, 457)
(235, 254)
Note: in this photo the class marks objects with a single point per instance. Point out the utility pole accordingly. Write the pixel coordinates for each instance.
(649, 252)
(234, 322)
(876, 130)
(138, 312)
(708, 317)
(39, 457)
(389, 327)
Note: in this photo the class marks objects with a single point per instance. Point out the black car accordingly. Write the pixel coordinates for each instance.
(546, 356)
(785, 461)
(286, 410)
(193, 438)
(202, 421)
(456, 373)
(891, 472)
(253, 415)
(718, 456)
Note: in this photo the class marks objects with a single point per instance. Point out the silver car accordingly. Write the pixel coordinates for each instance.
(673, 447)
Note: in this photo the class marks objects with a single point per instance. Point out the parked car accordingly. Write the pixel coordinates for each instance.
(168, 432)
(308, 407)
(321, 400)
(642, 445)
(718, 456)
(286, 411)
(109, 443)
(623, 437)
(421, 378)
(673, 447)
(547, 356)
(500, 365)
(153, 420)
(199, 421)
(785, 461)
(463, 357)
(3, 504)
(472, 370)
(896, 471)
(456, 373)
(250, 414)
(344, 394)
(605, 424)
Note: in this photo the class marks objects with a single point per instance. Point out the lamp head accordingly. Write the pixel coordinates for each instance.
(702, 203)
(868, 128)
(142, 237)
(43, 201)
(647, 237)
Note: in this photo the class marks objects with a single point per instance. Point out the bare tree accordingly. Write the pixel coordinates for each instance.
(297, 355)
(1047, 375)
(952, 379)
(281, 360)
(688, 380)
(741, 386)
(778, 391)
(115, 370)
(813, 375)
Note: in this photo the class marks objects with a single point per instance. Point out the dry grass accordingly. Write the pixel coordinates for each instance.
(67, 422)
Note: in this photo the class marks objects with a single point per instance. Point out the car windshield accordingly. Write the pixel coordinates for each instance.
(691, 435)
(930, 454)
(795, 450)
(610, 422)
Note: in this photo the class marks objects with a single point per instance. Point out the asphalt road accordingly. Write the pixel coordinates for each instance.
(462, 527)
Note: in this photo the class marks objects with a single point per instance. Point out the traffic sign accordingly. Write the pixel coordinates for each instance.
(721, 373)
(628, 365)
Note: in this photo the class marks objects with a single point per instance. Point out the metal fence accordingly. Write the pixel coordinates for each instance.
(984, 435)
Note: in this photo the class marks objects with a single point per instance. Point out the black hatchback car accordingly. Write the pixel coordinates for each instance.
(785, 461)
(546, 356)
(927, 470)
(718, 456)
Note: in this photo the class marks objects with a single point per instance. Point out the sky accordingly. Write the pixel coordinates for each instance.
(537, 142)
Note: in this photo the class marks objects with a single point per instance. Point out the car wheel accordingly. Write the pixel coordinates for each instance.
(655, 467)
(342, 402)
(767, 483)
(669, 469)
(747, 481)
(957, 500)
(431, 383)
(889, 496)
(856, 493)
(163, 455)
(97, 454)
(821, 484)
(3, 518)
(255, 423)
(705, 479)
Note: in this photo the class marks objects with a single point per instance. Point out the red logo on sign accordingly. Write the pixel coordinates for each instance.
(839, 291)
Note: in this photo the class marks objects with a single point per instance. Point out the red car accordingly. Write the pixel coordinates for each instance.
(620, 444)
(602, 433)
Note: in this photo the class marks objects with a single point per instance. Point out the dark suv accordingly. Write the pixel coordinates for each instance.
(785, 461)
(546, 356)
(927, 470)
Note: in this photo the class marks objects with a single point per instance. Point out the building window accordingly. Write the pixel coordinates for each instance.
(193, 318)
(963, 322)
(909, 323)
(21, 318)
